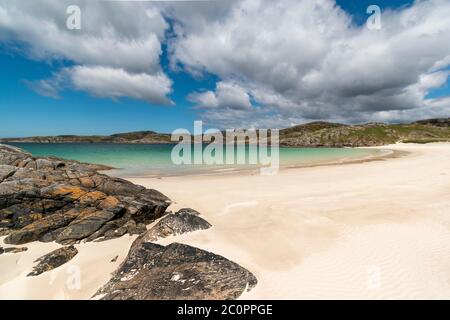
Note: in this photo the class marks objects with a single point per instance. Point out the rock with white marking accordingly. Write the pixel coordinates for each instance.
(176, 272)
(172, 224)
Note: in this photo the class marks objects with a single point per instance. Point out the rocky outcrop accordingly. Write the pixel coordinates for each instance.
(443, 122)
(53, 260)
(50, 199)
(172, 224)
(176, 272)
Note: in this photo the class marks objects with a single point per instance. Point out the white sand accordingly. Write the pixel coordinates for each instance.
(80, 278)
(365, 230)
(371, 230)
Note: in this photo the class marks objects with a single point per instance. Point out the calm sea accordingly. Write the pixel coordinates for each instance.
(155, 159)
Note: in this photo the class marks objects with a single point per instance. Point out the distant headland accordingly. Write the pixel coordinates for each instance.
(313, 134)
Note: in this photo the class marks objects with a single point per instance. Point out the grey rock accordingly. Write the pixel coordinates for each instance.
(139, 229)
(135, 228)
(51, 235)
(85, 226)
(39, 228)
(189, 211)
(176, 272)
(44, 164)
(117, 228)
(6, 171)
(53, 260)
(15, 249)
(183, 221)
(111, 234)
(107, 228)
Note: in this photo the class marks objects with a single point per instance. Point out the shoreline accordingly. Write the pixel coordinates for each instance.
(390, 154)
(116, 171)
(375, 229)
(370, 229)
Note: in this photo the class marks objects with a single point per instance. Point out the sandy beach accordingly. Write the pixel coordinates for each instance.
(367, 230)
(376, 229)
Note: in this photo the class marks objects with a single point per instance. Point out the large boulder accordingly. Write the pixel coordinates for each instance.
(176, 272)
(52, 199)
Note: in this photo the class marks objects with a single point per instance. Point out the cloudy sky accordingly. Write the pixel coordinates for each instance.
(231, 63)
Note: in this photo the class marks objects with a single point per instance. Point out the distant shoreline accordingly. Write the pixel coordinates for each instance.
(314, 134)
(154, 160)
(391, 154)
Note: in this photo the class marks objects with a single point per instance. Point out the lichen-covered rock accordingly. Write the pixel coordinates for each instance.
(52, 199)
(175, 272)
(183, 221)
(53, 260)
(38, 229)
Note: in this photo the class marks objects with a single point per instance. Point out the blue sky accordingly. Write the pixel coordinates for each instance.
(358, 8)
(24, 112)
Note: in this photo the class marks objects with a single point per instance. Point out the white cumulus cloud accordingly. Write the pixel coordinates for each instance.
(305, 60)
(227, 95)
(116, 52)
(277, 63)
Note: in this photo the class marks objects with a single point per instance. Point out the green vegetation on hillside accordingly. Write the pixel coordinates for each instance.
(371, 134)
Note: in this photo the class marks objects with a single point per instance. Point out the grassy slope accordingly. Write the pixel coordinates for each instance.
(362, 135)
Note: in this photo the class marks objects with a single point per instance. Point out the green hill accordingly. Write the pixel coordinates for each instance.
(322, 134)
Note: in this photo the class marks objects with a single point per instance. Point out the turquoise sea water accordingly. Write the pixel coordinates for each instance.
(155, 159)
